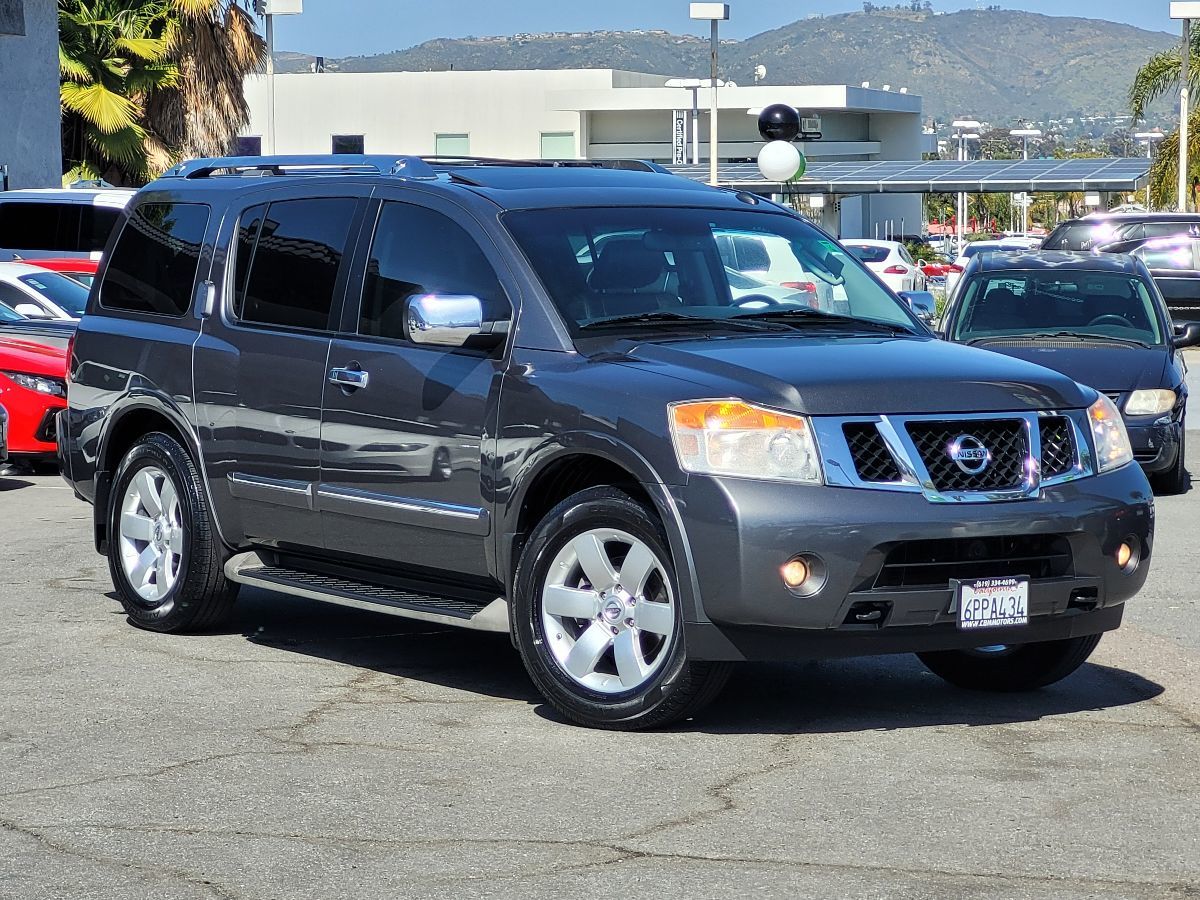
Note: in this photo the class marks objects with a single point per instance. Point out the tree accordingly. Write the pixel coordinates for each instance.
(1160, 74)
(113, 59)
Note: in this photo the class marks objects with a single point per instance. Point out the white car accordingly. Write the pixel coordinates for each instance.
(73, 221)
(41, 294)
(891, 261)
(1005, 245)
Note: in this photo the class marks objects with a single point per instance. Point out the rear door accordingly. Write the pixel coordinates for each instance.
(401, 454)
(260, 365)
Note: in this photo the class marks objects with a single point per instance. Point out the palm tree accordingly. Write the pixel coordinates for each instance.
(1156, 78)
(216, 47)
(113, 59)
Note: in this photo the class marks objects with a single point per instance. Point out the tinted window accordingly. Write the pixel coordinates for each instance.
(6, 313)
(1167, 255)
(65, 227)
(348, 143)
(1168, 229)
(11, 296)
(868, 254)
(294, 267)
(1089, 303)
(419, 251)
(153, 266)
(64, 292)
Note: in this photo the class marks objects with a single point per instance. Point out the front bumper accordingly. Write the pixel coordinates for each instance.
(740, 533)
(1155, 444)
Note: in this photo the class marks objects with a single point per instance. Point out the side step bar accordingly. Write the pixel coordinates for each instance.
(248, 568)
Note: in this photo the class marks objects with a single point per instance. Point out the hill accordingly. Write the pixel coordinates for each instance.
(992, 64)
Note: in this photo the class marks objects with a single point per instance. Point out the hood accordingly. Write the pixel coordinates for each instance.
(1112, 368)
(859, 375)
(32, 358)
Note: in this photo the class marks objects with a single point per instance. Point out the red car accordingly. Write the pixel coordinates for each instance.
(82, 270)
(33, 388)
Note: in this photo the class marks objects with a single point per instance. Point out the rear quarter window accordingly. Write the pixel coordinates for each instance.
(60, 227)
(153, 265)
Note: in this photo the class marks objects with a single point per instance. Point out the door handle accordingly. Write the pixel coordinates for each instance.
(350, 379)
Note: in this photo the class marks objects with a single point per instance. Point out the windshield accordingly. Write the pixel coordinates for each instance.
(602, 263)
(65, 292)
(867, 253)
(1089, 304)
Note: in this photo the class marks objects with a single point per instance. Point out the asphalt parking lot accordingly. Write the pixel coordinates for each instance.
(314, 751)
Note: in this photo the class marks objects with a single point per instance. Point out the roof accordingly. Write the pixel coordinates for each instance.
(939, 176)
(117, 197)
(1056, 260)
(1093, 218)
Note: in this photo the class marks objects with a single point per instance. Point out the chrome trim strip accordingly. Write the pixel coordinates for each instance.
(281, 492)
(402, 510)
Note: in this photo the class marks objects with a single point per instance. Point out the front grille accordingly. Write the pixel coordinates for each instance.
(872, 459)
(1115, 397)
(1145, 456)
(1058, 448)
(933, 563)
(1004, 439)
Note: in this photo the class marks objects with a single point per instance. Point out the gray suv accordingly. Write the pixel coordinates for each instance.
(524, 398)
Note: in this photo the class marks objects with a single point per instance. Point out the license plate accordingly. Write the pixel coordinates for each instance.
(993, 602)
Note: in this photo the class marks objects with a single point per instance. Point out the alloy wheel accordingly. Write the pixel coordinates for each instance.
(151, 534)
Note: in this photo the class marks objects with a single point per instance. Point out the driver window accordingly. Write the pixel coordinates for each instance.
(419, 251)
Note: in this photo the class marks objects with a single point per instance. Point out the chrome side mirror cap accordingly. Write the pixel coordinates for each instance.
(923, 303)
(450, 320)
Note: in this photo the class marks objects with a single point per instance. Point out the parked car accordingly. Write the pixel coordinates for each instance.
(32, 389)
(1092, 231)
(1002, 245)
(659, 480)
(891, 261)
(1098, 319)
(58, 222)
(1174, 262)
(82, 270)
(38, 293)
(57, 332)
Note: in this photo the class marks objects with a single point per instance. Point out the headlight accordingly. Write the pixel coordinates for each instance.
(1150, 403)
(730, 437)
(37, 383)
(1112, 440)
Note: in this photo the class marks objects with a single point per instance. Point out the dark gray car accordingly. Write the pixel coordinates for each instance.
(524, 398)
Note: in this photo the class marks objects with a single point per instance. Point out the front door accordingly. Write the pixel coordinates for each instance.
(260, 367)
(404, 425)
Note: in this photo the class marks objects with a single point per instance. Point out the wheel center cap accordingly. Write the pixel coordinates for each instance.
(613, 609)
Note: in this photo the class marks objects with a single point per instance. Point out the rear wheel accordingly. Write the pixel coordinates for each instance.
(163, 553)
(1175, 479)
(1013, 667)
(597, 617)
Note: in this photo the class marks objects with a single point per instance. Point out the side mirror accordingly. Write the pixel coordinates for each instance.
(31, 311)
(923, 303)
(451, 320)
(1187, 335)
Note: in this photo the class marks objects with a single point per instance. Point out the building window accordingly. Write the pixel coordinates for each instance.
(348, 143)
(558, 145)
(249, 146)
(12, 17)
(452, 145)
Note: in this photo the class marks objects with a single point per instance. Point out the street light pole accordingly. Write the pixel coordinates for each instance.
(1148, 138)
(269, 9)
(713, 13)
(1185, 11)
(962, 125)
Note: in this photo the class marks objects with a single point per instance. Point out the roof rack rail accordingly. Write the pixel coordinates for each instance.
(634, 165)
(341, 163)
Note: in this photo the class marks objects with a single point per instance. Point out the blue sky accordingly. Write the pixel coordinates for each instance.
(356, 27)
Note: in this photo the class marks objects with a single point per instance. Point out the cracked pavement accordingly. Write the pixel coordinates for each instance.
(312, 751)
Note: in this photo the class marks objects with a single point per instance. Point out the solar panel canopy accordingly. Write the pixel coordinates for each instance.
(940, 176)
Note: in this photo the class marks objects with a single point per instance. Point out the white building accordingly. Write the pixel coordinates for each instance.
(583, 114)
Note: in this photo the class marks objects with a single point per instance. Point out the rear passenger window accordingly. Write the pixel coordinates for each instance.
(419, 251)
(288, 279)
(61, 227)
(153, 266)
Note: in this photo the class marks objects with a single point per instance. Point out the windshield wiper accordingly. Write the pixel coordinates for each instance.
(823, 318)
(666, 317)
(1058, 336)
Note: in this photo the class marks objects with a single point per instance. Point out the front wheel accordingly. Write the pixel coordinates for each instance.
(1011, 668)
(164, 554)
(597, 617)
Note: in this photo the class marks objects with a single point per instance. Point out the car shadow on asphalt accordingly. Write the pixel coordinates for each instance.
(8, 483)
(829, 696)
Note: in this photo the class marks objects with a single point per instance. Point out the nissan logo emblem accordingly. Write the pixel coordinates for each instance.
(969, 454)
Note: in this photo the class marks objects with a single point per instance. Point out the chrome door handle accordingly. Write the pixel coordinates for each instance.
(349, 378)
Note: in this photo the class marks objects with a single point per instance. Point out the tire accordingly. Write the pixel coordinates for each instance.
(607, 532)
(1023, 667)
(175, 548)
(441, 469)
(1175, 479)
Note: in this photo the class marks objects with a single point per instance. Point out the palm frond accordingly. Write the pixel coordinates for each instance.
(108, 111)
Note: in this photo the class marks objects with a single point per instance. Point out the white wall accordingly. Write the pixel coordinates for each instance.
(30, 135)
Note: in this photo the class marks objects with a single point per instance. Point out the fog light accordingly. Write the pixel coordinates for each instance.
(1124, 555)
(795, 573)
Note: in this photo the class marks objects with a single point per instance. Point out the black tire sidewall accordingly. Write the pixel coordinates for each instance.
(593, 508)
(162, 452)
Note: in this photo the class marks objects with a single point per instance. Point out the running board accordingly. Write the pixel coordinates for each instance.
(248, 568)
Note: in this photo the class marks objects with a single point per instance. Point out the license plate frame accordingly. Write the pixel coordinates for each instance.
(998, 602)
